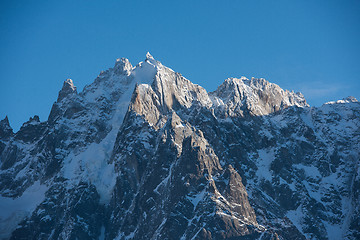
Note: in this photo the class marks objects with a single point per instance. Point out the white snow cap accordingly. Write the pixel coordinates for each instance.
(150, 60)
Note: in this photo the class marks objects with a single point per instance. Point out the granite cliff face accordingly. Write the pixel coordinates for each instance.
(143, 153)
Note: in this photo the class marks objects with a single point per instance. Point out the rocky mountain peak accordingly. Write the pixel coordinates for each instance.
(152, 61)
(67, 89)
(257, 96)
(5, 129)
(123, 66)
(149, 56)
(174, 90)
(5, 123)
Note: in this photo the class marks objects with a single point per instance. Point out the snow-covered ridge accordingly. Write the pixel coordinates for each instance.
(349, 99)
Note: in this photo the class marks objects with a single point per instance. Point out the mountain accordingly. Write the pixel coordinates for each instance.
(143, 153)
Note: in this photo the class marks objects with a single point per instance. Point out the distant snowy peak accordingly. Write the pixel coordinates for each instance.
(349, 99)
(256, 97)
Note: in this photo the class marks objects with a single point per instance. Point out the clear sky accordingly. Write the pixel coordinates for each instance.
(307, 46)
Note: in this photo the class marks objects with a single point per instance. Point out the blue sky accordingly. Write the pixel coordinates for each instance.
(307, 46)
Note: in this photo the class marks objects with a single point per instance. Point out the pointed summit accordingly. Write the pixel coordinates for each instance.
(5, 121)
(67, 89)
(255, 97)
(5, 130)
(149, 56)
(150, 60)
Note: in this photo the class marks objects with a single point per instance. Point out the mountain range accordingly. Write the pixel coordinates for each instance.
(143, 153)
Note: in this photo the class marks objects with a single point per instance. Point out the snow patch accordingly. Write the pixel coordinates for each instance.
(197, 198)
(334, 232)
(266, 156)
(296, 217)
(310, 171)
(92, 165)
(13, 211)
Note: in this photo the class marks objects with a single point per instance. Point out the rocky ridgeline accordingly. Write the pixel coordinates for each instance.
(143, 153)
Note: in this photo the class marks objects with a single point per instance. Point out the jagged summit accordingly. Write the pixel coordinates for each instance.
(123, 66)
(149, 56)
(235, 97)
(5, 129)
(35, 118)
(256, 97)
(67, 89)
(152, 61)
(5, 122)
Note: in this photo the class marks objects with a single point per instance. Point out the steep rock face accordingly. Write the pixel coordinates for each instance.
(257, 97)
(67, 89)
(5, 130)
(143, 153)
